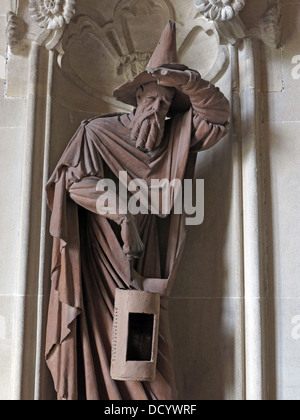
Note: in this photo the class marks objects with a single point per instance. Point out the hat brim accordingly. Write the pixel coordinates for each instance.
(127, 92)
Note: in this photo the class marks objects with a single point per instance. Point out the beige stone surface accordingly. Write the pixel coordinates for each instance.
(272, 70)
(6, 341)
(287, 348)
(10, 186)
(284, 144)
(5, 6)
(11, 160)
(281, 137)
(12, 121)
(208, 364)
(284, 105)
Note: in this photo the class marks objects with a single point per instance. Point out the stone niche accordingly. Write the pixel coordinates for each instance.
(70, 55)
(111, 44)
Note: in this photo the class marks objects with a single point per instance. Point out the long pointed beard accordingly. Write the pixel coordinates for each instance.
(148, 131)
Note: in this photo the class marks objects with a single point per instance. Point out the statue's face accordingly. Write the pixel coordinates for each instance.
(153, 104)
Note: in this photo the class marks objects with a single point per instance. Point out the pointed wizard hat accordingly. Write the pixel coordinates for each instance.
(165, 55)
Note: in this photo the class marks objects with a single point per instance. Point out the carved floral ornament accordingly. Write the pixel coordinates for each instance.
(52, 14)
(220, 10)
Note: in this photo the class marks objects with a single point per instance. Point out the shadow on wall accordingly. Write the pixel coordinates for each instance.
(200, 318)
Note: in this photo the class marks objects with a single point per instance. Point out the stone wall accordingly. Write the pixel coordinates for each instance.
(12, 127)
(235, 308)
(281, 138)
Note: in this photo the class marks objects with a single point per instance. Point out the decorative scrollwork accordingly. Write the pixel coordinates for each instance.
(52, 14)
(220, 10)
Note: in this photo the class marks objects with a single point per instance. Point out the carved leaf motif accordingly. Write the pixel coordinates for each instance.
(270, 27)
(133, 64)
(220, 10)
(52, 14)
(13, 30)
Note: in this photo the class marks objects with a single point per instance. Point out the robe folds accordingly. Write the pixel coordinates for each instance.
(88, 262)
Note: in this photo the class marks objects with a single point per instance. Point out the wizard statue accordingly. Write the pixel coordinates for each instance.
(176, 114)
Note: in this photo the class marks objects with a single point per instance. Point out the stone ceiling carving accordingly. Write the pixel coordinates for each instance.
(220, 10)
(52, 14)
(90, 52)
(52, 17)
(92, 44)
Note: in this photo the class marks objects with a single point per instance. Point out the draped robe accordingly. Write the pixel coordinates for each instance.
(88, 262)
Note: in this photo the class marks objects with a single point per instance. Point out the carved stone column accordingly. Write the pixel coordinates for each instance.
(247, 117)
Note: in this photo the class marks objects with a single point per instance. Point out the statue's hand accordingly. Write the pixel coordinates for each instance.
(169, 77)
(133, 245)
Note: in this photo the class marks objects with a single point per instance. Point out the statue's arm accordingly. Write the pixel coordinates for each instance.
(211, 110)
(85, 193)
(207, 100)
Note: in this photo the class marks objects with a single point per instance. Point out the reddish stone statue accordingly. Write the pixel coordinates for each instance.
(95, 252)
